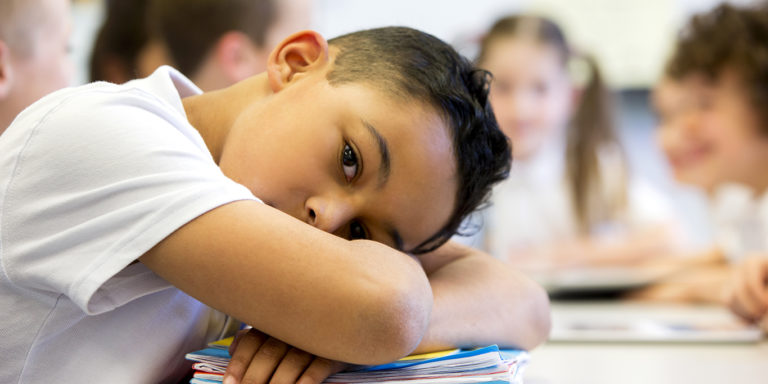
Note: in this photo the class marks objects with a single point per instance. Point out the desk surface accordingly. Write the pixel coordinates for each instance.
(660, 363)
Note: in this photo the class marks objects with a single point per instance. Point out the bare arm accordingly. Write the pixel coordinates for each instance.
(479, 300)
(630, 249)
(700, 278)
(357, 301)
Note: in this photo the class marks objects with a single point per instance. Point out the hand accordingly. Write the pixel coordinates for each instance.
(259, 358)
(748, 294)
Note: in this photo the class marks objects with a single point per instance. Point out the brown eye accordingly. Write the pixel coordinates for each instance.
(356, 231)
(349, 162)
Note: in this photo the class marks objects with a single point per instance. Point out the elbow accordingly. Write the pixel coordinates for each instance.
(538, 317)
(402, 320)
(541, 317)
(395, 317)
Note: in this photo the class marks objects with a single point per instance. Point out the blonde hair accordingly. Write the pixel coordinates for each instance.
(592, 145)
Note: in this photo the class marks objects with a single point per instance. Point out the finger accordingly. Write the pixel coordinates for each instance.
(755, 286)
(265, 361)
(248, 344)
(745, 304)
(764, 324)
(236, 339)
(319, 370)
(763, 267)
(291, 367)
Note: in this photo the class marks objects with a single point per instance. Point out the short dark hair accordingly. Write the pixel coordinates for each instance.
(414, 65)
(728, 37)
(190, 28)
(119, 41)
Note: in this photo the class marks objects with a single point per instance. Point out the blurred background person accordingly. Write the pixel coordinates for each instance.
(230, 40)
(119, 41)
(570, 199)
(713, 128)
(34, 53)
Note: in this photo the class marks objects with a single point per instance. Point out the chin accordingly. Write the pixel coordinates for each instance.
(695, 178)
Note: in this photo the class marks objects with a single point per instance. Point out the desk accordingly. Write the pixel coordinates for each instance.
(659, 363)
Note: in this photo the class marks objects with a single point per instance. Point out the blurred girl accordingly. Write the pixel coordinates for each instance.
(570, 200)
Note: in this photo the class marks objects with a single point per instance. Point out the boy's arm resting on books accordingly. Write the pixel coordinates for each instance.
(355, 301)
(479, 300)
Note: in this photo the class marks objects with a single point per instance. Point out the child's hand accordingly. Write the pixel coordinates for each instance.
(259, 358)
(748, 295)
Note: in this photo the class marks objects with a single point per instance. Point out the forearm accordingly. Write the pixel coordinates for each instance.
(629, 249)
(698, 284)
(479, 300)
(360, 302)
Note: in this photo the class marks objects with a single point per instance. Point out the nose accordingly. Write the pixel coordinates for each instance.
(519, 108)
(329, 213)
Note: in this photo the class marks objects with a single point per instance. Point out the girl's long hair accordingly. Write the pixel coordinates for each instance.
(593, 151)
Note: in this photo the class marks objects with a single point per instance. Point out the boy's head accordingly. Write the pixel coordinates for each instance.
(120, 39)
(711, 102)
(411, 65)
(34, 57)
(230, 41)
(384, 134)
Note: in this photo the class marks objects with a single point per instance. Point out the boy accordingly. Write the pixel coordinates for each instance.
(113, 194)
(34, 53)
(714, 132)
(231, 41)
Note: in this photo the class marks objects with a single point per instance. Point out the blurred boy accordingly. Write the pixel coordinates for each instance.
(230, 42)
(714, 132)
(34, 57)
(118, 201)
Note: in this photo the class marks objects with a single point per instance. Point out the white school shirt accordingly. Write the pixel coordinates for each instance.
(532, 207)
(90, 179)
(740, 220)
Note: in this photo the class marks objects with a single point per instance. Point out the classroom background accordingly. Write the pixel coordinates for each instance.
(631, 40)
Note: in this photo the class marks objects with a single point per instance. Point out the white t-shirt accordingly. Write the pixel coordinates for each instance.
(533, 206)
(740, 221)
(90, 179)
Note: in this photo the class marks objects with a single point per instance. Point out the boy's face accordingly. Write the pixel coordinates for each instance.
(710, 131)
(347, 159)
(530, 93)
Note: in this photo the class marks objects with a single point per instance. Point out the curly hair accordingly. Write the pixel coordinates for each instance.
(728, 37)
(414, 65)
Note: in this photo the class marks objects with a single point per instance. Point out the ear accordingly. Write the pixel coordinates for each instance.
(300, 54)
(238, 57)
(6, 70)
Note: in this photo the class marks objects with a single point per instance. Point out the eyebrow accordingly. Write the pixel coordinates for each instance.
(384, 170)
(385, 167)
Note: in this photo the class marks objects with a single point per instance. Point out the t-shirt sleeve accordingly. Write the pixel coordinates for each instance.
(97, 183)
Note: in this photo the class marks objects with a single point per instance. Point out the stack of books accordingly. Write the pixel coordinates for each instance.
(483, 365)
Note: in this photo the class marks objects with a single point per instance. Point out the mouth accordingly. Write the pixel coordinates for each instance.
(690, 156)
